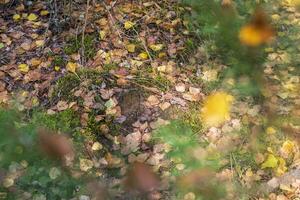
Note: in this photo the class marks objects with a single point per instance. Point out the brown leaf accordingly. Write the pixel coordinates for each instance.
(141, 178)
(97, 190)
(56, 146)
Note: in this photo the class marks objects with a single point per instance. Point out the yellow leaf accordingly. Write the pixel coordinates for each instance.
(85, 164)
(281, 167)
(250, 36)
(257, 32)
(39, 43)
(23, 68)
(156, 47)
(130, 48)
(128, 25)
(288, 147)
(102, 34)
(16, 17)
(71, 67)
(270, 131)
(35, 62)
(270, 162)
(32, 17)
(216, 109)
(8, 182)
(56, 68)
(143, 56)
(44, 12)
(162, 54)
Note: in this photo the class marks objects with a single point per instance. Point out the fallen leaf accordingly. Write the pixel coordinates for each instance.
(270, 162)
(56, 146)
(16, 17)
(85, 164)
(153, 100)
(130, 48)
(140, 177)
(71, 67)
(23, 68)
(156, 47)
(44, 12)
(39, 43)
(32, 17)
(143, 55)
(216, 109)
(180, 87)
(128, 25)
(97, 146)
(54, 173)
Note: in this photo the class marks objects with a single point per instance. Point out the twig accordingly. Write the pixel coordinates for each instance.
(83, 32)
(144, 44)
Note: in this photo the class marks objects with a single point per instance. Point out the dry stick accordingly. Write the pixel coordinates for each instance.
(112, 18)
(83, 32)
(144, 44)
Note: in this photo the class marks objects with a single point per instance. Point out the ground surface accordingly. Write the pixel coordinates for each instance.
(125, 68)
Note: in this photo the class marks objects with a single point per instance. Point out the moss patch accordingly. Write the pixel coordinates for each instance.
(74, 45)
(64, 121)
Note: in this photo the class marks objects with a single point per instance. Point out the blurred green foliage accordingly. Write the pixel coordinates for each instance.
(212, 22)
(20, 154)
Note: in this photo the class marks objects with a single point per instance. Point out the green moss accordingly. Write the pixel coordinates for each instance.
(65, 85)
(75, 44)
(108, 67)
(159, 81)
(192, 118)
(65, 121)
(59, 61)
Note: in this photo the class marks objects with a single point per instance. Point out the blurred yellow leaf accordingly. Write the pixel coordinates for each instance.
(270, 162)
(143, 56)
(85, 164)
(56, 68)
(156, 47)
(130, 48)
(128, 25)
(32, 17)
(216, 109)
(257, 32)
(39, 43)
(270, 130)
(44, 12)
(102, 34)
(23, 68)
(71, 67)
(16, 17)
(287, 149)
(281, 167)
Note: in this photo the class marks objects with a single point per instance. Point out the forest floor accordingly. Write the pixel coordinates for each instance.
(115, 72)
